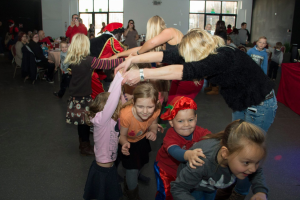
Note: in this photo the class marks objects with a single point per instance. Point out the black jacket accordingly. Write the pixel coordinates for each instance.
(38, 51)
(243, 83)
(28, 64)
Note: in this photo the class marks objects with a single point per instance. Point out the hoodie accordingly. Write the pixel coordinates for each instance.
(260, 57)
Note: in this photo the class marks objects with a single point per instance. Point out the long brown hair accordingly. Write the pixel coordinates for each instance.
(234, 134)
(146, 90)
(98, 105)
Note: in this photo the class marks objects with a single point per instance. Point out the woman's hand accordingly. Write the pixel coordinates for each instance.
(125, 149)
(192, 156)
(259, 196)
(124, 65)
(131, 77)
(151, 136)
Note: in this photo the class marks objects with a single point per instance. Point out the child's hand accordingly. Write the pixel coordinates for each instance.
(192, 156)
(151, 136)
(259, 196)
(160, 128)
(69, 72)
(125, 149)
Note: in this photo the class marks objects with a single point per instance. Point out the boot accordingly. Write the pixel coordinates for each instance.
(132, 194)
(144, 179)
(86, 149)
(215, 90)
(208, 88)
(236, 196)
(224, 194)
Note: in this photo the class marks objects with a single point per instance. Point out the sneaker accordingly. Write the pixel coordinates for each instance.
(50, 81)
(56, 94)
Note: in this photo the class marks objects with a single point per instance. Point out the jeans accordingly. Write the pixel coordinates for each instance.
(64, 84)
(201, 195)
(263, 118)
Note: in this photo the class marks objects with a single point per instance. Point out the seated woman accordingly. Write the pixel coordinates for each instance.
(41, 60)
(22, 40)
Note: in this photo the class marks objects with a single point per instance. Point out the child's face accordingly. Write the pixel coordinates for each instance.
(262, 43)
(245, 162)
(228, 42)
(144, 108)
(64, 48)
(184, 122)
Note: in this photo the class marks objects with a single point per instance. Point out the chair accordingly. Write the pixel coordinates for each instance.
(13, 51)
(242, 48)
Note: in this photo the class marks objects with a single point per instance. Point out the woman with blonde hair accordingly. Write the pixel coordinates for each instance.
(158, 38)
(82, 66)
(243, 85)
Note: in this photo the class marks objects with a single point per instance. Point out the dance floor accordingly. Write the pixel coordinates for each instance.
(40, 157)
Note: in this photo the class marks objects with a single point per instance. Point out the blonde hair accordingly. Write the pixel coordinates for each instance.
(79, 48)
(146, 90)
(155, 26)
(98, 105)
(197, 44)
(235, 135)
(262, 37)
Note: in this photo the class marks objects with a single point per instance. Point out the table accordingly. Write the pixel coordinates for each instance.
(289, 87)
(54, 56)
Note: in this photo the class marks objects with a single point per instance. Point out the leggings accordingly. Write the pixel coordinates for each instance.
(84, 132)
(132, 178)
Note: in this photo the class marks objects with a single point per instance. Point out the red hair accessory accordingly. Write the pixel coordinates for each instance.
(112, 26)
(177, 104)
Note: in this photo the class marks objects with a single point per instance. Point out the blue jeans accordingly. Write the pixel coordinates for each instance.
(263, 118)
(201, 195)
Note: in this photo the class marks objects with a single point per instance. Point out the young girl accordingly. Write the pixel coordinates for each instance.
(233, 153)
(80, 89)
(138, 125)
(102, 181)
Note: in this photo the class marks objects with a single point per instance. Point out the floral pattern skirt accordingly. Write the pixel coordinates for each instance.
(77, 108)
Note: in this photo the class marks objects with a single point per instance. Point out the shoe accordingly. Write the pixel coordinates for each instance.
(215, 90)
(49, 80)
(208, 88)
(131, 194)
(86, 149)
(56, 94)
(236, 196)
(144, 179)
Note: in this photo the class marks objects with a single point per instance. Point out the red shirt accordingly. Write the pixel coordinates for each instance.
(229, 30)
(164, 160)
(47, 40)
(76, 29)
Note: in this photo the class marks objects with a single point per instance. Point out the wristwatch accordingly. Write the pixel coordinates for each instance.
(142, 74)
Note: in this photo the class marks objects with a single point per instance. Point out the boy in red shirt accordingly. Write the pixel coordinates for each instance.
(183, 133)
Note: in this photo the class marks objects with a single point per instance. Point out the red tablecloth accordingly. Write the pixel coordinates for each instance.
(289, 87)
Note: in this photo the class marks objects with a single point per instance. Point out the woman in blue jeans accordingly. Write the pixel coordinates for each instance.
(243, 84)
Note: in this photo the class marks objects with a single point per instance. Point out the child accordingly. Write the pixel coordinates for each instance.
(259, 54)
(179, 138)
(276, 60)
(66, 74)
(80, 90)
(229, 42)
(233, 153)
(102, 182)
(138, 125)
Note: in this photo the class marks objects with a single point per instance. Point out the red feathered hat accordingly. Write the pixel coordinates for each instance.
(112, 26)
(11, 21)
(177, 104)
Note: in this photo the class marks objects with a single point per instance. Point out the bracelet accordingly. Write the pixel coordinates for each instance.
(137, 53)
(142, 74)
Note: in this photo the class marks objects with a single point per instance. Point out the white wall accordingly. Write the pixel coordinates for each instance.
(175, 13)
(55, 13)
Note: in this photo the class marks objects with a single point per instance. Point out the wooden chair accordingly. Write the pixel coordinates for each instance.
(13, 51)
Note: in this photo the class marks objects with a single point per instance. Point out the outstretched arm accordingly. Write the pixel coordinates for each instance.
(125, 53)
(106, 64)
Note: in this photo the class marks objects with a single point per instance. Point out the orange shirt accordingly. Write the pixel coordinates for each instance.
(136, 129)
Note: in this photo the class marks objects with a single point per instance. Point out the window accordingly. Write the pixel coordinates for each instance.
(209, 12)
(98, 11)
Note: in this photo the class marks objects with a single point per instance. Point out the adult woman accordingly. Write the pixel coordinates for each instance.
(158, 38)
(234, 35)
(41, 60)
(22, 40)
(131, 35)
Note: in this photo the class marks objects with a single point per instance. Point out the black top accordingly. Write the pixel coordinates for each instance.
(80, 84)
(243, 83)
(38, 51)
(98, 43)
(169, 46)
(222, 35)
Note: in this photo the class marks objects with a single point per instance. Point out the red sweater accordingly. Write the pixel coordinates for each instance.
(76, 29)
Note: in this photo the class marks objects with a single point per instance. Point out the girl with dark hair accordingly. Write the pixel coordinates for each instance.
(221, 30)
(131, 35)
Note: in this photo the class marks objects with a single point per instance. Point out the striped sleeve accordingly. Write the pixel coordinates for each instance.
(106, 64)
